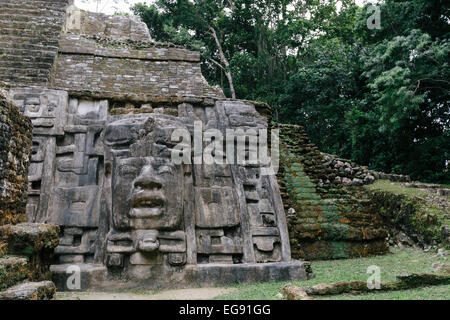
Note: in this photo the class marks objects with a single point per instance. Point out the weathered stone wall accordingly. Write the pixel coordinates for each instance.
(327, 220)
(115, 27)
(115, 57)
(29, 31)
(15, 150)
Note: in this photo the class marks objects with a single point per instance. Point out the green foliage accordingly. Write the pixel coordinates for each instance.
(378, 97)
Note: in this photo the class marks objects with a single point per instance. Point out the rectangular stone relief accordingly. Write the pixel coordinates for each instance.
(47, 109)
(77, 206)
(216, 207)
(214, 242)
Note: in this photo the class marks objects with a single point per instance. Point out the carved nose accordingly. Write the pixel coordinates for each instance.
(148, 180)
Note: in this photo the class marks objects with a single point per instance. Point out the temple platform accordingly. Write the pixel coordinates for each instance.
(96, 277)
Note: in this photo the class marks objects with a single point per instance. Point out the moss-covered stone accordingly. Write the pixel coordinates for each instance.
(30, 238)
(12, 271)
(331, 221)
(34, 241)
(405, 282)
(15, 150)
(408, 214)
(44, 290)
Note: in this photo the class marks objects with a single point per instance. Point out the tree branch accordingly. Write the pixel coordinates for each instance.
(224, 61)
(216, 63)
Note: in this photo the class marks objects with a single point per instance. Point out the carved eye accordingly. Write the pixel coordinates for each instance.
(165, 169)
(127, 170)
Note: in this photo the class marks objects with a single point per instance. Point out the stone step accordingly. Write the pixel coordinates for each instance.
(32, 80)
(48, 34)
(31, 12)
(34, 5)
(7, 53)
(36, 19)
(24, 73)
(23, 236)
(28, 67)
(27, 59)
(27, 26)
(25, 53)
(93, 277)
(8, 37)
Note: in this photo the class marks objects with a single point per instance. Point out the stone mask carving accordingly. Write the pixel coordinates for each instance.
(148, 191)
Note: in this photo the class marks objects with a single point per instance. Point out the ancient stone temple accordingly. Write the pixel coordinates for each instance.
(104, 101)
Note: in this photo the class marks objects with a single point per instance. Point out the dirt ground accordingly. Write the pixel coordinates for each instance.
(181, 294)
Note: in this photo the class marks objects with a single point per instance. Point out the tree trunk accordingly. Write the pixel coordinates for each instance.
(225, 62)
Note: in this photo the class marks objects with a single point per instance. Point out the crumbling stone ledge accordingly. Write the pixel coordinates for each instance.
(44, 290)
(34, 241)
(405, 282)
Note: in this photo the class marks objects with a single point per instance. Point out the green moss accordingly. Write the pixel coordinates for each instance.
(339, 250)
(329, 216)
(28, 251)
(12, 273)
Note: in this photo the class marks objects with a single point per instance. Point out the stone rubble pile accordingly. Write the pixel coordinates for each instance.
(350, 174)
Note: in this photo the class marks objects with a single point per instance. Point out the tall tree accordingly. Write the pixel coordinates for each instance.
(379, 97)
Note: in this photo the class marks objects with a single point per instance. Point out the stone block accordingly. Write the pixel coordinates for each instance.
(30, 238)
(30, 291)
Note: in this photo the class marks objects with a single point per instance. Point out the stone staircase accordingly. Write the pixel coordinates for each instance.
(330, 220)
(29, 32)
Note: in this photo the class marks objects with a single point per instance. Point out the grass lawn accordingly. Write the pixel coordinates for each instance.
(404, 261)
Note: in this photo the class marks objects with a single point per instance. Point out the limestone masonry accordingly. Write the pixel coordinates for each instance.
(15, 152)
(29, 31)
(104, 100)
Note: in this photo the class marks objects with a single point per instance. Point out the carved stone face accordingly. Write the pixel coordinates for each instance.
(146, 187)
(149, 191)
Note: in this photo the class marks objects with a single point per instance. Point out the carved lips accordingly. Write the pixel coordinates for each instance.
(147, 204)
